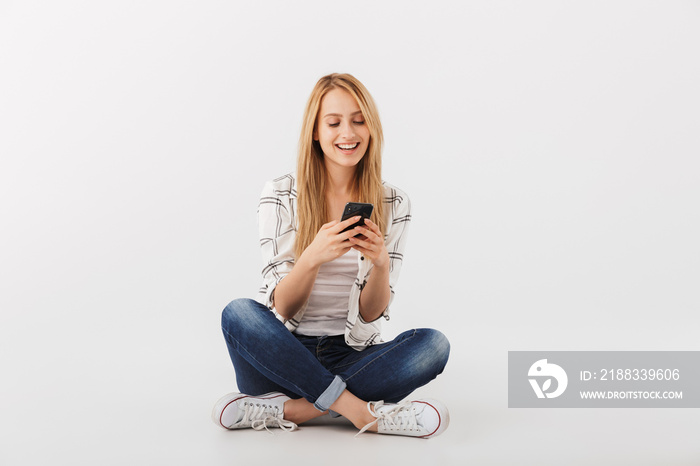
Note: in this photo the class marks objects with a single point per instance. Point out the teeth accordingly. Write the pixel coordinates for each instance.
(348, 146)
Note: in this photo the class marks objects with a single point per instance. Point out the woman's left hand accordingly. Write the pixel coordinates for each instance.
(372, 244)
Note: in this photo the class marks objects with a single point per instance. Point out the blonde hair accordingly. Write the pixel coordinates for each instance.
(312, 208)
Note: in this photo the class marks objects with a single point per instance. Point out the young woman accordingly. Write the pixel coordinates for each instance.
(310, 344)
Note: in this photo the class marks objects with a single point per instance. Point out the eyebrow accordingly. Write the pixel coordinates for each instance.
(339, 115)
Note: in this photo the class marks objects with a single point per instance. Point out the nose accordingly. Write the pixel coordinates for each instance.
(347, 131)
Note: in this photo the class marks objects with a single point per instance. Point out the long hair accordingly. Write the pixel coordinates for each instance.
(312, 208)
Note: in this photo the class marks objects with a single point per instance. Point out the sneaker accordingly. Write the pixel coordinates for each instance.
(421, 418)
(239, 411)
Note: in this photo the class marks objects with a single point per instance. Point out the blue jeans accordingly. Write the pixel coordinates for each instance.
(269, 358)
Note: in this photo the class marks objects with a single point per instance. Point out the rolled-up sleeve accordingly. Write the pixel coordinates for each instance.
(277, 235)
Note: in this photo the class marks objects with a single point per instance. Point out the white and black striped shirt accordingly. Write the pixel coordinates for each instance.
(277, 223)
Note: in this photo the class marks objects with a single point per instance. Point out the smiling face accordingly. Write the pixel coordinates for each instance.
(341, 130)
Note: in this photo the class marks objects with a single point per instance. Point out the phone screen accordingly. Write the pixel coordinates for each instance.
(357, 208)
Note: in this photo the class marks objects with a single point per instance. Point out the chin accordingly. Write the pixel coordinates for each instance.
(343, 162)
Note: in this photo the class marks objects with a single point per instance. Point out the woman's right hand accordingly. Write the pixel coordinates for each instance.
(329, 243)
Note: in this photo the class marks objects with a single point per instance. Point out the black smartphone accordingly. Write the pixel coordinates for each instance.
(357, 208)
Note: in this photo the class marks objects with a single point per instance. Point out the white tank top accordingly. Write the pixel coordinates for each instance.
(327, 309)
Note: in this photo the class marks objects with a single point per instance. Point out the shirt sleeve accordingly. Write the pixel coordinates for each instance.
(361, 334)
(277, 234)
(396, 236)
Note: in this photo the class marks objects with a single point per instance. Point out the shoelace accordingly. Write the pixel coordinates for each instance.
(260, 416)
(400, 417)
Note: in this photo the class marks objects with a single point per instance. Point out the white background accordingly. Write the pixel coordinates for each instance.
(550, 149)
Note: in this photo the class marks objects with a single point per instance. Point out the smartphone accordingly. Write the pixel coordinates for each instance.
(357, 208)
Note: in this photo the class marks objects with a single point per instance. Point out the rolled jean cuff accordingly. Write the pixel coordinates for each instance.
(328, 397)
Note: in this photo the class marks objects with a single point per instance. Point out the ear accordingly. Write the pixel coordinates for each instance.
(315, 135)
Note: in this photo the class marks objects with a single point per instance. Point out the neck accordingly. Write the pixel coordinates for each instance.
(340, 182)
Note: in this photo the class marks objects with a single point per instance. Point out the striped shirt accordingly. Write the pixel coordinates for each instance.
(277, 224)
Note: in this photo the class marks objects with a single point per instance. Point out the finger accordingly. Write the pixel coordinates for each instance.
(362, 243)
(341, 250)
(365, 252)
(329, 225)
(373, 226)
(352, 232)
(346, 223)
(368, 234)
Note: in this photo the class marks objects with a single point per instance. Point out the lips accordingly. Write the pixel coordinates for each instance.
(347, 147)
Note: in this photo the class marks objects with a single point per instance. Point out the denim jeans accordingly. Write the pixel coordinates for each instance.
(269, 358)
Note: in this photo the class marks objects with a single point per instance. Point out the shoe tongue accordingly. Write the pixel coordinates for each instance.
(261, 411)
(250, 408)
(240, 413)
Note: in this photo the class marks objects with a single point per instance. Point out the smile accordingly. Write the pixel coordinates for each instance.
(347, 146)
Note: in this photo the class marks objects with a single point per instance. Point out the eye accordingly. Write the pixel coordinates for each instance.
(333, 125)
(359, 122)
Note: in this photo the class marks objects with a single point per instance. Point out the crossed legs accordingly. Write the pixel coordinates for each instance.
(267, 357)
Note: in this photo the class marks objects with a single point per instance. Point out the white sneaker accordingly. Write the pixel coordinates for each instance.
(239, 411)
(421, 418)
